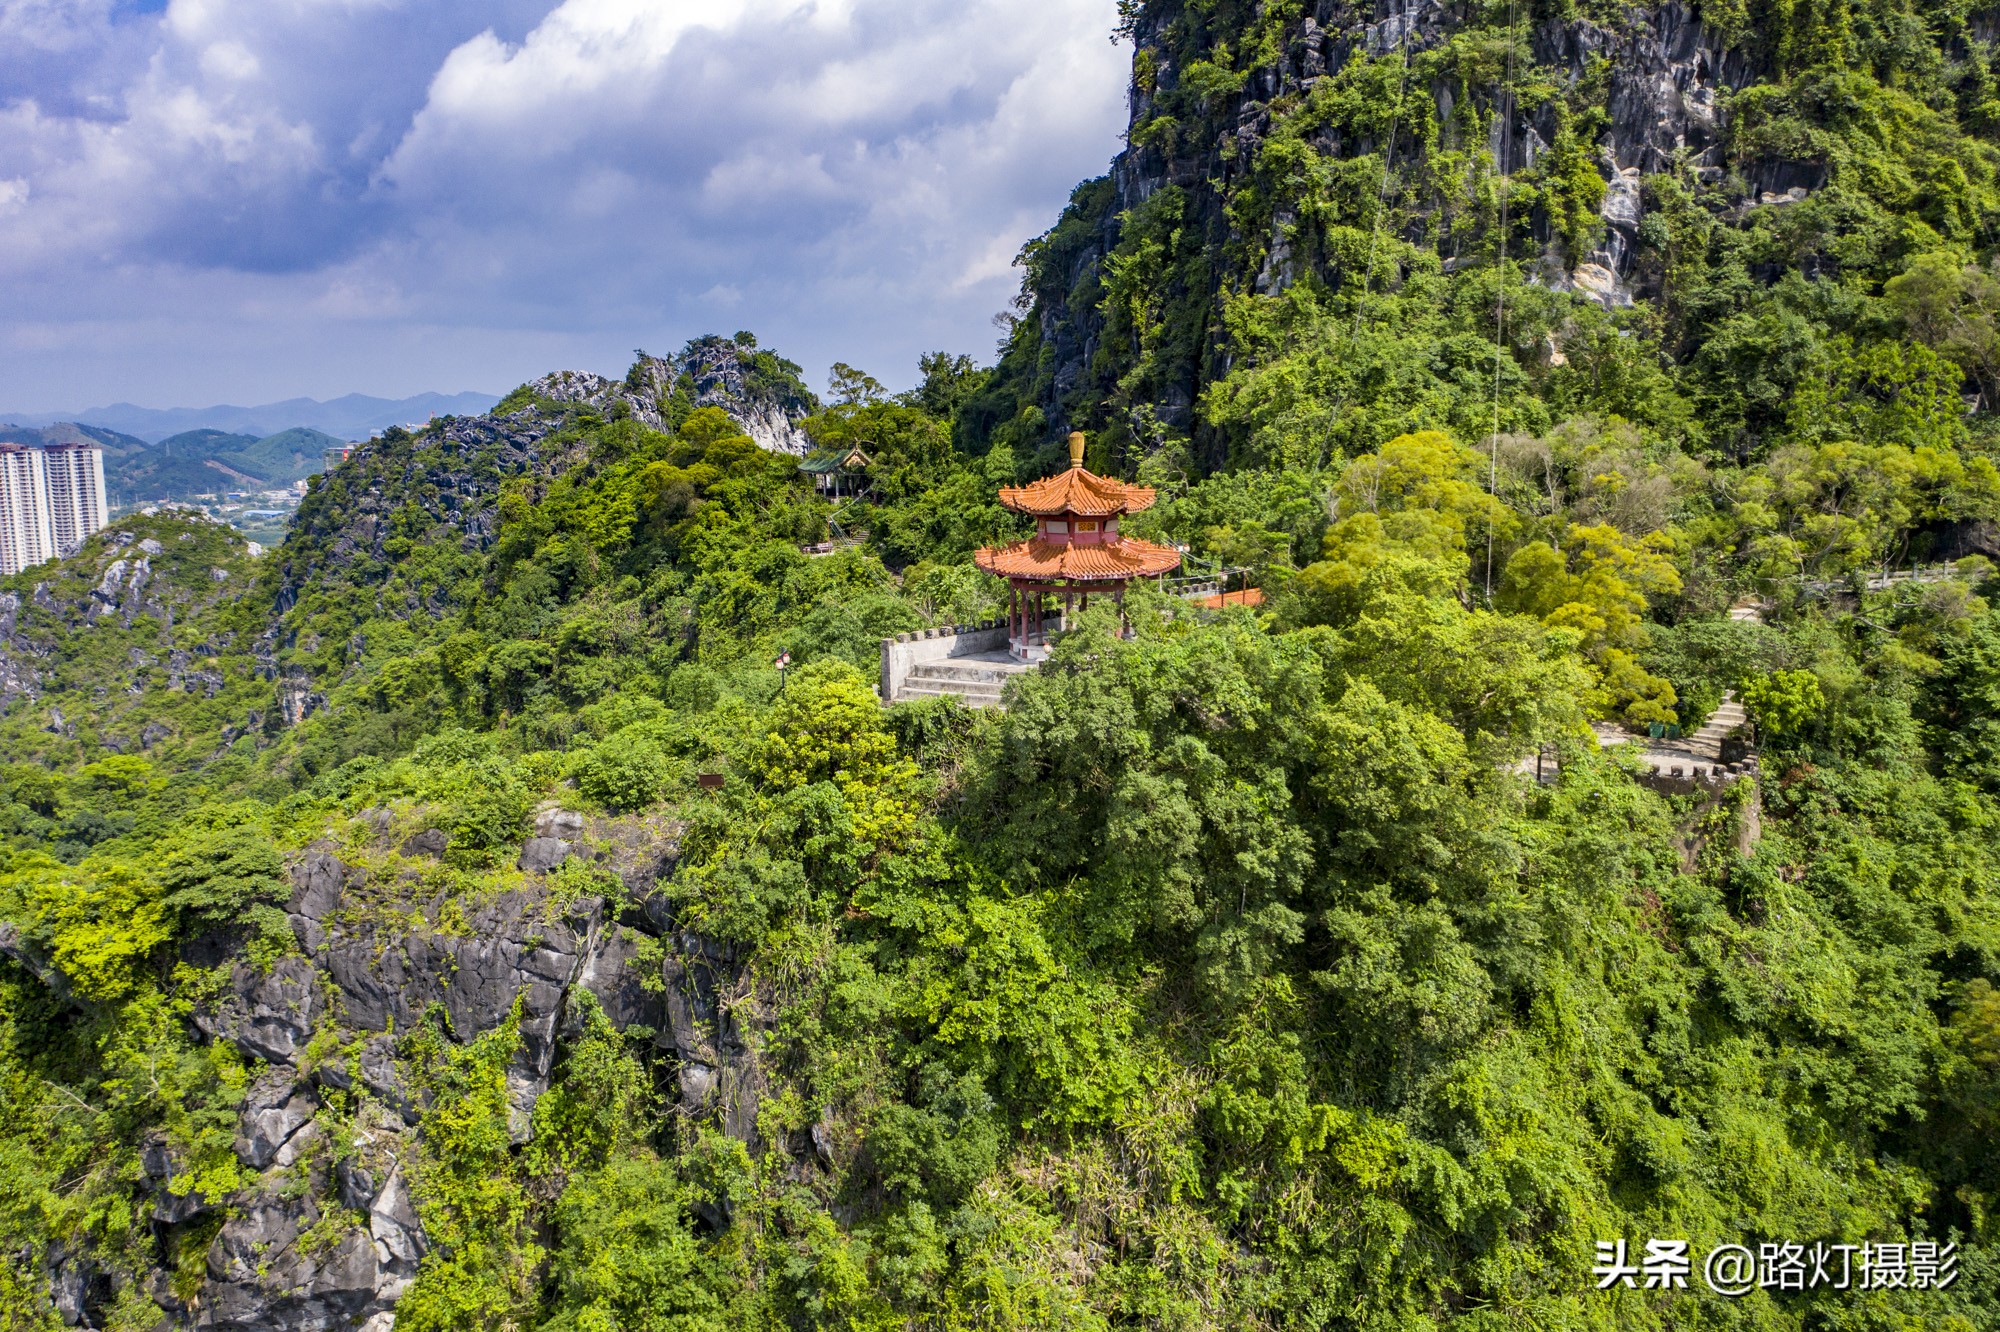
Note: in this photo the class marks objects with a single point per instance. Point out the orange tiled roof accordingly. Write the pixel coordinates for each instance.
(1035, 558)
(1249, 596)
(1079, 492)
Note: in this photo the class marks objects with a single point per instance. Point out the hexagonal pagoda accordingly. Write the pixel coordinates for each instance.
(1076, 550)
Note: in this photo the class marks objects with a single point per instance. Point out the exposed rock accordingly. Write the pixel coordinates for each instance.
(697, 1085)
(613, 973)
(356, 1185)
(393, 1224)
(30, 959)
(77, 1287)
(430, 842)
(509, 948)
(372, 1068)
(114, 577)
(708, 1004)
(1669, 83)
(274, 1117)
(711, 372)
(1601, 284)
(260, 1277)
(380, 1075)
(563, 823)
(316, 883)
(297, 699)
(381, 977)
(539, 855)
(269, 1016)
(159, 1164)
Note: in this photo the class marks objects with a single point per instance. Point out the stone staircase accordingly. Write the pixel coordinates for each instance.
(1708, 740)
(1694, 757)
(977, 684)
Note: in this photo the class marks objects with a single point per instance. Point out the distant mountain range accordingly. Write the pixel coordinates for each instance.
(194, 462)
(355, 416)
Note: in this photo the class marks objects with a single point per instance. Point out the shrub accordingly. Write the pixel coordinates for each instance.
(626, 772)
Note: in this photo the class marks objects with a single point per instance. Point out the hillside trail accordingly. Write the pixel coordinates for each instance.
(1691, 754)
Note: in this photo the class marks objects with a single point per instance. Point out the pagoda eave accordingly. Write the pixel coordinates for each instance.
(1035, 560)
(1076, 493)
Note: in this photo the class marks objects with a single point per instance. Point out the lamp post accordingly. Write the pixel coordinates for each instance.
(783, 664)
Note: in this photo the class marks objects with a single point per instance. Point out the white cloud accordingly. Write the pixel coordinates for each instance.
(232, 61)
(521, 177)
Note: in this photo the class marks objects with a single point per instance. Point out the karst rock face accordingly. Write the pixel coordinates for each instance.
(757, 391)
(318, 1239)
(324, 1234)
(1656, 79)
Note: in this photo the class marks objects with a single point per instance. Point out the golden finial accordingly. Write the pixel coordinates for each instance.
(1076, 448)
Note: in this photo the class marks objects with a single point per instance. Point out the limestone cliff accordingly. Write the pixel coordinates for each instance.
(1271, 144)
(758, 390)
(324, 1233)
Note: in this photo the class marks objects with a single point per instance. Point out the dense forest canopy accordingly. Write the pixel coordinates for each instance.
(373, 952)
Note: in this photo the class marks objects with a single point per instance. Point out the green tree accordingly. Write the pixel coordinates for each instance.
(1782, 702)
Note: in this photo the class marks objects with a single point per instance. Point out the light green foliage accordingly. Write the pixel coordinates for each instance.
(1702, 658)
(221, 869)
(830, 796)
(467, 1190)
(1782, 702)
(99, 923)
(1600, 588)
(629, 1260)
(627, 771)
(1237, 940)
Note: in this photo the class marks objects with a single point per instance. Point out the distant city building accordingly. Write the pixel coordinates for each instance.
(335, 456)
(26, 536)
(77, 503)
(50, 500)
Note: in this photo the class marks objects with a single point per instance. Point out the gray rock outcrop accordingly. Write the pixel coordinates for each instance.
(1669, 80)
(541, 854)
(277, 1116)
(261, 1277)
(326, 1234)
(709, 372)
(269, 1015)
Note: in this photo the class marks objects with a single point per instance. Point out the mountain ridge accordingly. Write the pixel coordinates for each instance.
(351, 416)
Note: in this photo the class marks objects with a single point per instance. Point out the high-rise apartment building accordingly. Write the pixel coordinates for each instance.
(26, 536)
(50, 500)
(77, 505)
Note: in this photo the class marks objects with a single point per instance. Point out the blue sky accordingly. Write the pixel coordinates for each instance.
(248, 200)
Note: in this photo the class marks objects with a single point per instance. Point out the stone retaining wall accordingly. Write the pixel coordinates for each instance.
(905, 652)
(1694, 775)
